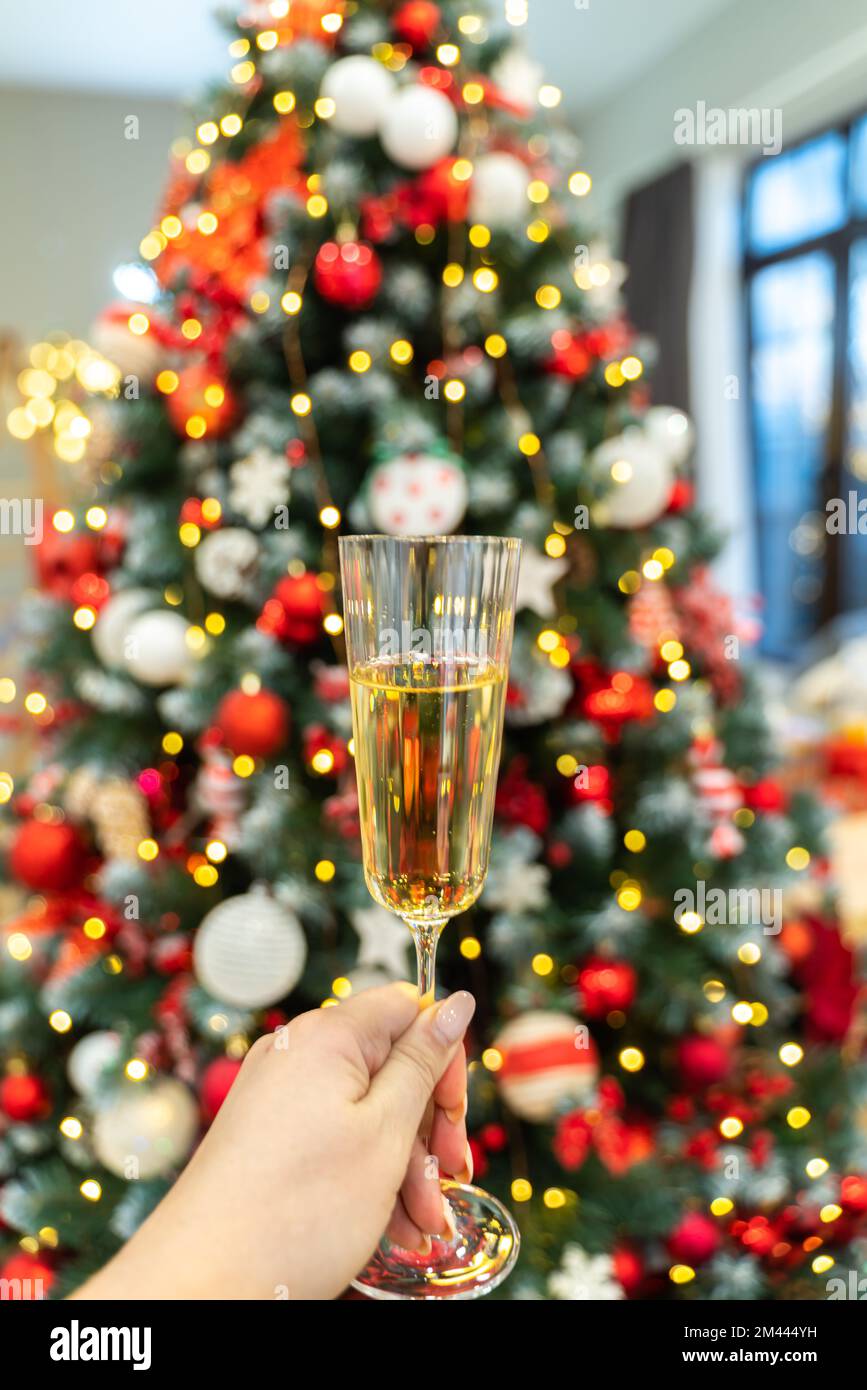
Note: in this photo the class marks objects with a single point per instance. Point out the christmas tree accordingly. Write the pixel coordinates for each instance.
(371, 301)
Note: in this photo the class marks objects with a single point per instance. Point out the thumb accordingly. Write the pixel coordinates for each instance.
(419, 1057)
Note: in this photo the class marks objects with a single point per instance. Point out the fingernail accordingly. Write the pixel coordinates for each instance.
(453, 1016)
(457, 1114)
(466, 1173)
(449, 1218)
(425, 1247)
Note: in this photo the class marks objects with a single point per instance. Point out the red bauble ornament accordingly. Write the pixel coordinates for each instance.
(768, 796)
(30, 1275)
(216, 1084)
(703, 1061)
(202, 406)
(853, 1193)
(23, 1097)
(62, 557)
(294, 612)
(47, 858)
(418, 22)
(605, 985)
(695, 1239)
(254, 724)
(348, 275)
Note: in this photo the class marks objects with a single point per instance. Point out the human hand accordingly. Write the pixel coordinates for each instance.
(315, 1153)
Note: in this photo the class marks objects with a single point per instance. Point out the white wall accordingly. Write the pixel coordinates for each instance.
(808, 58)
(76, 199)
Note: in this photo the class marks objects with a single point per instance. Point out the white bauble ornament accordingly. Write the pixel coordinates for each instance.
(89, 1058)
(361, 89)
(639, 477)
(145, 1130)
(226, 561)
(671, 431)
(136, 354)
(108, 633)
(498, 193)
(249, 951)
(156, 648)
(418, 495)
(419, 128)
(550, 1064)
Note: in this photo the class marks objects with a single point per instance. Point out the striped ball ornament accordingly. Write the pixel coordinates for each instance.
(550, 1064)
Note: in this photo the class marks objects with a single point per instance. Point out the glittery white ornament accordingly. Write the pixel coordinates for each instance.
(419, 128)
(226, 561)
(146, 1129)
(361, 89)
(250, 951)
(418, 495)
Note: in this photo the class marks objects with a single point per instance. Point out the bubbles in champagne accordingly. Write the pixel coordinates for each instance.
(428, 734)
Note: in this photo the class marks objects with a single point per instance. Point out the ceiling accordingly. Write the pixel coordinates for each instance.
(169, 48)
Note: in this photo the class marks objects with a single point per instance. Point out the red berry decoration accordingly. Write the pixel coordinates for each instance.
(216, 1084)
(294, 612)
(418, 22)
(47, 858)
(605, 985)
(703, 1061)
(254, 724)
(202, 404)
(695, 1239)
(23, 1097)
(348, 275)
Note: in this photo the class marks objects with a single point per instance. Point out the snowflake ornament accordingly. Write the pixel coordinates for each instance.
(584, 1278)
(259, 485)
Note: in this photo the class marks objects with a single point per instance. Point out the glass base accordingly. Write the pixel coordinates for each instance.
(471, 1264)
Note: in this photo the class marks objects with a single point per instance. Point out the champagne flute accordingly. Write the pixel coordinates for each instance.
(429, 623)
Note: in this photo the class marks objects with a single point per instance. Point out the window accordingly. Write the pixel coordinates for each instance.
(806, 271)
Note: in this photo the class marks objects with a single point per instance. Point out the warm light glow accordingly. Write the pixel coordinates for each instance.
(631, 1059)
(325, 870)
(731, 1127)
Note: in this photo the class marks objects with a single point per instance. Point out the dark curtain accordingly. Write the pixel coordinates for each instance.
(657, 249)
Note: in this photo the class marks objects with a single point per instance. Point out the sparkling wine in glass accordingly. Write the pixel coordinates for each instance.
(429, 625)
